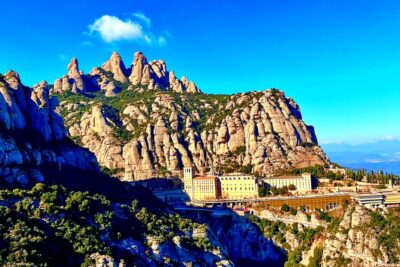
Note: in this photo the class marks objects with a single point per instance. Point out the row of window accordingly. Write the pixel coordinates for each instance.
(205, 189)
(239, 189)
(237, 178)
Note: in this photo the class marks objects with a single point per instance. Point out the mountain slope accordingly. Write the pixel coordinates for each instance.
(141, 132)
(32, 134)
(75, 216)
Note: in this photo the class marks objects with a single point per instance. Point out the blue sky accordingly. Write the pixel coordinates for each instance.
(340, 60)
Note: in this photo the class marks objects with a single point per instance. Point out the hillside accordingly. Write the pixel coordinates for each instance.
(57, 209)
(148, 126)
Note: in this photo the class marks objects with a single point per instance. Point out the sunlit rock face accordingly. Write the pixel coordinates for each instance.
(263, 131)
(113, 75)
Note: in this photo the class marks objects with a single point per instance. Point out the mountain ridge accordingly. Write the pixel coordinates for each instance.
(145, 129)
(113, 76)
(139, 132)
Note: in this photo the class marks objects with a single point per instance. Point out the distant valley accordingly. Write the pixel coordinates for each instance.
(382, 155)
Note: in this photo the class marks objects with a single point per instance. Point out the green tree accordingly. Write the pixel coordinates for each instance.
(285, 208)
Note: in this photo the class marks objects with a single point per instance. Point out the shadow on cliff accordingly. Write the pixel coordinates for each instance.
(244, 243)
(72, 177)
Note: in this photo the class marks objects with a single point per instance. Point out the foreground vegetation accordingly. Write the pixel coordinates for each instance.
(52, 226)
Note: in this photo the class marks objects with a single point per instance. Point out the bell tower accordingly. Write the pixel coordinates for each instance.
(188, 175)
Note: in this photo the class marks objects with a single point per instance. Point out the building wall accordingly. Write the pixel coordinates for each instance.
(302, 183)
(228, 186)
(205, 189)
(238, 186)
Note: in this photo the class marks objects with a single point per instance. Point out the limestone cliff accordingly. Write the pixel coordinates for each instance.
(144, 133)
(32, 133)
(363, 238)
(34, 147)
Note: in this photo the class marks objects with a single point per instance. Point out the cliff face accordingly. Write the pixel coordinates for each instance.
(245, 244)
(363, 238)
(140, 132)
(32, 133)
(34, 147)
(143, 121)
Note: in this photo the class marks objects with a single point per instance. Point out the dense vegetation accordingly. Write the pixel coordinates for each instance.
(378, 177)
(388, 228)
(53, 226)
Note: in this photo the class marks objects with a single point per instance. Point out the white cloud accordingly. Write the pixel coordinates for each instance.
(112, 29)
(389, 138)
(143, 18)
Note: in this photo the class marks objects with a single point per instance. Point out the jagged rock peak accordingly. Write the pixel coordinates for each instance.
(116, 66)
(73, 65)
(141, 75)
(12, 75)
(139, 69)
(155, 75)
(73, 81)
(22, 108)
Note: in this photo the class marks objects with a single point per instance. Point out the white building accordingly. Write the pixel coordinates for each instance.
(373, 200)
(238, 186)
(302, 183)
(230, 186)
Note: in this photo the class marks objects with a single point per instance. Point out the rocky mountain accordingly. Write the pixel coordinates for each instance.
(32, 133)
(352, 236)
(363, 238)
(57, 208)
(113, 76)
(152, 125)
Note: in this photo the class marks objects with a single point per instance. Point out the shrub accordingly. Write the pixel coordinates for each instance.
(292, 187)
(285, 208)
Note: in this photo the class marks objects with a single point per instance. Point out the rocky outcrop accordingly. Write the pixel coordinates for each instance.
(356, 241)
(263, 130)
(155, 75)
(23, 107)
(112, 75)
(32, 133)
(116, 67)
(73, 81)
(301, 218)
(245, 244)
